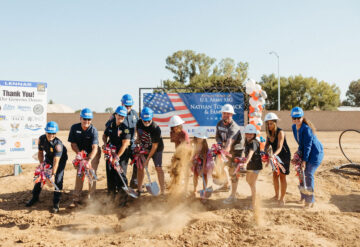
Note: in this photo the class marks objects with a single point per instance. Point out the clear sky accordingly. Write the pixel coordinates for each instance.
(92, 52)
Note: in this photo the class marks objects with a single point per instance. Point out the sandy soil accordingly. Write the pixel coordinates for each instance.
(152, 221)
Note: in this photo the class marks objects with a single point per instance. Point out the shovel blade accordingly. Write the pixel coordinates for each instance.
(153, 188)
(130, 192)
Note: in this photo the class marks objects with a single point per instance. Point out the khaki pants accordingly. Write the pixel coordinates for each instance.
(79, 182)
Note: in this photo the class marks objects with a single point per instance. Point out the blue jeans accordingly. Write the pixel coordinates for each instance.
(309, 178)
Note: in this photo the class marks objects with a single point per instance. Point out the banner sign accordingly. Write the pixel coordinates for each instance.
(22, 120)
(196, 109)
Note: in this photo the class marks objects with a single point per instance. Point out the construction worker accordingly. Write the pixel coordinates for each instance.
(56, 157)
(83, 136)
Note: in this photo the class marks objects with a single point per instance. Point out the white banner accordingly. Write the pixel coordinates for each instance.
(22, 120)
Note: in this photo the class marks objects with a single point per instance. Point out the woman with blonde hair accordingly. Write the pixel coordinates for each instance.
(277, 141)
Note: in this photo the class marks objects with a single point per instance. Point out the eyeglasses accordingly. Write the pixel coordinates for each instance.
(87, 119)
(296, 118)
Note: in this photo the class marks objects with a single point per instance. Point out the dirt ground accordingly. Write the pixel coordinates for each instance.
(153, 221)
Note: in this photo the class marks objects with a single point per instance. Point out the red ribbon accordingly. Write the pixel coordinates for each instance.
(83, 166)
(139, 156)
(112, 157)
(297, 161)
(217, 150)
(42, 173)
(240, 161)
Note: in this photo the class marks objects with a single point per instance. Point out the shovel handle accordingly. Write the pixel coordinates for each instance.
(148, 174)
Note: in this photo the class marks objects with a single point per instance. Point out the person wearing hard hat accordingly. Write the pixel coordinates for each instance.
(275, 138)
(84, 136)
(253, 161)
(130, 122)
(56, 157)
(201, 160)
(177, 134)
(118, 135)
(311, 149)
(229, 136)
(149, 137)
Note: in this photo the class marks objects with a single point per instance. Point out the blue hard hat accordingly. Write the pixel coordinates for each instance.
(297, 112)
(147, 114)
(51, 127)
(127, 100)
(86, 113)
(121, 110)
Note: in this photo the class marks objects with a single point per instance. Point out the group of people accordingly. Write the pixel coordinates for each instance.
(128, 135)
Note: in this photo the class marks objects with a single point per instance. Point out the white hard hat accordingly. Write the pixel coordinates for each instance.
(175, 121)
(250, 129)
(201, 133)
(228, 108)
(271, 116)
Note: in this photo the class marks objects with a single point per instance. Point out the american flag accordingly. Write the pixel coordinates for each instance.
(167, 105)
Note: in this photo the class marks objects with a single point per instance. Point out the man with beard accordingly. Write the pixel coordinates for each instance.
(228, 135)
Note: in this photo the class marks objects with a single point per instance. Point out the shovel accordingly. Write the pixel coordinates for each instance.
(151, 187)
(304, 189)
(130, 191)
(206, 193)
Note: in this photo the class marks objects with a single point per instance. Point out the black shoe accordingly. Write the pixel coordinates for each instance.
(55, 208)
(32, 201)
(133, 183)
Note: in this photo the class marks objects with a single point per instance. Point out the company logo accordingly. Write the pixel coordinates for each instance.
(14, 127)
(2, 117)
(17, 118)
(8, 107)
(38, 109)
(41, 87)
(2, 151)
(24, 108)
(35, 143)
(33, 127)
(2, 141)
(35, 119)
(17, 147)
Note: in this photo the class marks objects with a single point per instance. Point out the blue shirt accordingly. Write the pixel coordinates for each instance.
(310, 147)
(84, 139)
(52, 149)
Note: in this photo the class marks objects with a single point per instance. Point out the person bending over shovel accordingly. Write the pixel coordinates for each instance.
(56, 157)
(117, 135)
(149, 138)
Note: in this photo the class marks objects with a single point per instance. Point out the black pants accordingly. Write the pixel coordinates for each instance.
(59, 177)
(114, 183)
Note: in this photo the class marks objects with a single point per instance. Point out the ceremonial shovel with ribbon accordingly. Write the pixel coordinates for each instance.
(220, 154)
(84, 167)
(113, 159)
(42, 174)
(296, 161)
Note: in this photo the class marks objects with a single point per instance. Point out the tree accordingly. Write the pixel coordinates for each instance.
(186, 64)
(109, 110)
(197, 70)
(353, 94)
(307, 93)
(51, 102)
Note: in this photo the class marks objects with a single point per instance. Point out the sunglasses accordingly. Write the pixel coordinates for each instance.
(296, 118)
(146, 121)
(86, 119)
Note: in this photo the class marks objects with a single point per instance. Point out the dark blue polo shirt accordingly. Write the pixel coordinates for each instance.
(52, 149)
(84, 139)
(117, 134)
(130, 122)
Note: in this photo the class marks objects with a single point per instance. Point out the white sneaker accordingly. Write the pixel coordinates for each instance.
(230, 200)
